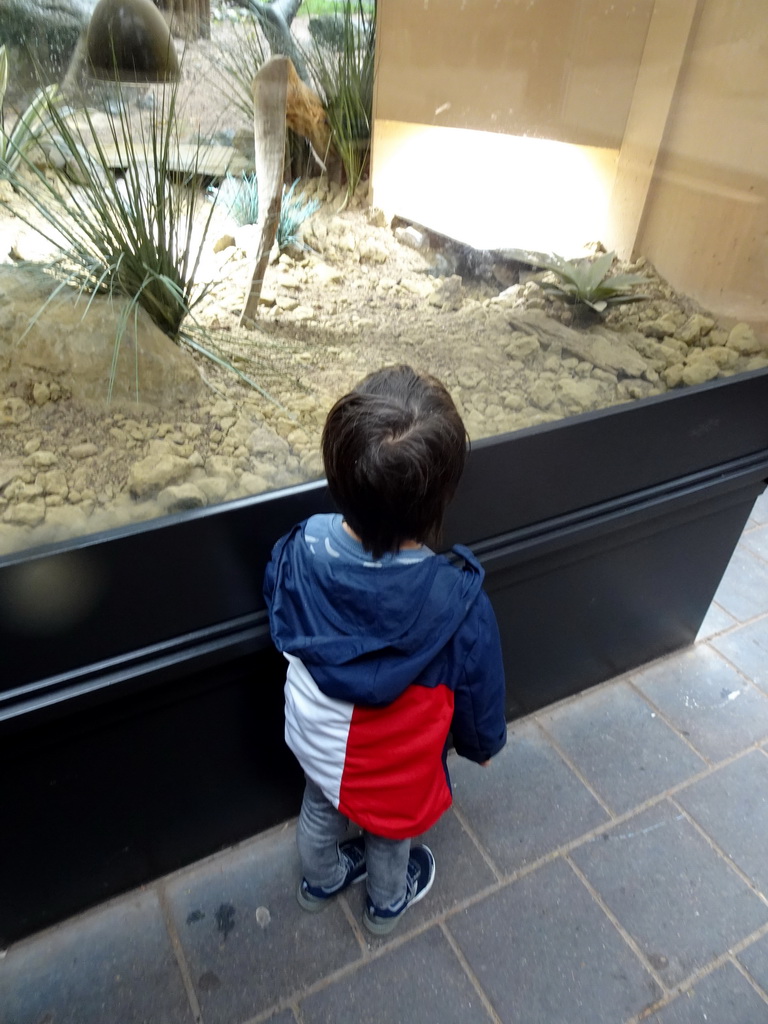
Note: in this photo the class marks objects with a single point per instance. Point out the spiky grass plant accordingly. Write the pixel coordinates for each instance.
(238, 62)
(16, 141)
(139, 236)
(342, 65)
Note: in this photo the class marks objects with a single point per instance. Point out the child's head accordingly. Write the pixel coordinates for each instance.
(394, 451)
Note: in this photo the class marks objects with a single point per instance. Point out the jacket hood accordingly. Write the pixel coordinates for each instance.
(364, 633)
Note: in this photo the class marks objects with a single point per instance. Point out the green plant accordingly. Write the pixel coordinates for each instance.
(585, 281)
(238, 62)
(341, 62)
(139, 236)
(295, 209)
(240, 198)
(28, 127)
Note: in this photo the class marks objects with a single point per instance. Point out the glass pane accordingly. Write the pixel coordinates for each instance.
(515, 146)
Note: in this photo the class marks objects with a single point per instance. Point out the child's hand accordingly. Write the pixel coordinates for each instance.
(484, 764)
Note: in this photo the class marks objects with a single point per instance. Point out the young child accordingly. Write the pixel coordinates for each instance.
(390, 647)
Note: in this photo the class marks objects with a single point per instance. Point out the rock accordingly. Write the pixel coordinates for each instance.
(581, 394)
(447, 294)
(372, 251)
(726, 358)
(673, 375)
(322, 273)
(43, 32)
(700, 370)
(156, 472)
(742, 338)
(83, 451)
(181, 497)
(695, 328)
(469, 377)
(77, 347)
(13, 411)
(522, 346)
(542, 394)
(25, 513)
(214, 488)
(412, 237)
(54, 482)
(9, 471)
(661, 327)
(41, 394)
(225, 242)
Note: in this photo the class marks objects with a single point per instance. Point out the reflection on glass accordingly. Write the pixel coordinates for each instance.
(515, 145)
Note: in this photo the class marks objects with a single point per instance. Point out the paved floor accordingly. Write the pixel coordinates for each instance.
(611, 865)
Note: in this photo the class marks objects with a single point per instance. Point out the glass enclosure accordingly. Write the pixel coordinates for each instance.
(555, 206)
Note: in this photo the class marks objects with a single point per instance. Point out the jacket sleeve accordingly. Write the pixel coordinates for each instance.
(479, 724)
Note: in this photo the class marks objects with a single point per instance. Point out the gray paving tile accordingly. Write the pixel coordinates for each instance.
(286, 1017)
(544, 951)
(717, 620)
(723, 997)
(743, 590)
(747, 648)
(527, 802)
(708, 701)
(757, 540)
(755, 959)
(422, 980)
(731, 805)
(760, 510)
(247, 941)
(113, 964)
(624, 750)
(460, 872)
(670, 890)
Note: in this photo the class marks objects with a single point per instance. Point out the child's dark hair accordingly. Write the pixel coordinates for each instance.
(394, 450)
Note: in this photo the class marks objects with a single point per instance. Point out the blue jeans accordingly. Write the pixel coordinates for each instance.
(321, 827)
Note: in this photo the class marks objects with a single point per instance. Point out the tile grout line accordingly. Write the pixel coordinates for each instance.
(355, 926)
(738, 670)
(178, 951)
(668, 722)
(464, 823)
(622, 931)
(702, 973)
(474, 980)
(565, 758)
(749, 979)
(716, 848)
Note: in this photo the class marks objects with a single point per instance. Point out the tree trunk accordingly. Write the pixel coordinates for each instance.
(275, 22)
(270, 94)
(190, 19)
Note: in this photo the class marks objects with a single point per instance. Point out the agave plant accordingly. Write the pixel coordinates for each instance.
(239, 196)
(14, 143)
(138, 236)
(587, 282)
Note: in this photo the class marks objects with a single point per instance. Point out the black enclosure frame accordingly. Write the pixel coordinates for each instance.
(141, 698)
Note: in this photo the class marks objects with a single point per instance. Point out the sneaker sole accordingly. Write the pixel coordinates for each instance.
(314, 904)
(385, 925)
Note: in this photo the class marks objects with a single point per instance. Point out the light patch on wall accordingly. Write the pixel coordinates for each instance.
(47, 596)
(493, 191)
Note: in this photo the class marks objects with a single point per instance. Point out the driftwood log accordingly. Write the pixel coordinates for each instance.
(270, 95)
(280, 100)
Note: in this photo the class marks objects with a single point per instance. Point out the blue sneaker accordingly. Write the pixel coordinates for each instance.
(314, 897)
(421, 875)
